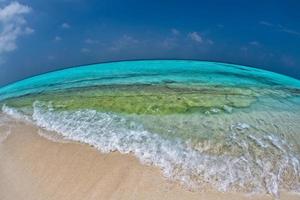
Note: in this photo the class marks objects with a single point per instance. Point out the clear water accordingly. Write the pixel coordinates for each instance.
(231, 127)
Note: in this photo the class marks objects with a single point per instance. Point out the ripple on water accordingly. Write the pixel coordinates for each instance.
(243, 157)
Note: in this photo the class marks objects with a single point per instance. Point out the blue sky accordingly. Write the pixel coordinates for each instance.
(39, 36)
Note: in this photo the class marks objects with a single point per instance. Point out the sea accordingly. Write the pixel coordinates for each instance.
(226, 126)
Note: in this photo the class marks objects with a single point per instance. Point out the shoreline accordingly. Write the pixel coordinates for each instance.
(33, 167)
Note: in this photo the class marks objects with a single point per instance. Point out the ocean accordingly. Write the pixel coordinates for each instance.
(231, 127)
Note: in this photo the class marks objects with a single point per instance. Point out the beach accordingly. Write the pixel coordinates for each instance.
(33, 167)
(236, 132)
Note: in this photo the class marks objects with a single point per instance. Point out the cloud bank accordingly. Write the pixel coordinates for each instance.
(195, 37)
(13, 25)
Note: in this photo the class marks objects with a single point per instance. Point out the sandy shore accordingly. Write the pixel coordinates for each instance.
(34, 168)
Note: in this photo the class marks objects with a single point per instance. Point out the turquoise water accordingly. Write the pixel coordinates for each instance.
(149, 72)
(203, 123)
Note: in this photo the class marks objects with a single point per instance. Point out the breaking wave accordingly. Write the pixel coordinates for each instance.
(260, 162)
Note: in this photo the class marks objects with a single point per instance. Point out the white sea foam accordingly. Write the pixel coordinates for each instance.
(52, 136)
(15, 113)
(240, 126)
(5, 128)
(260, 162)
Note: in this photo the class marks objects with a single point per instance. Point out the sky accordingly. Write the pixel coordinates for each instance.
(39, 36)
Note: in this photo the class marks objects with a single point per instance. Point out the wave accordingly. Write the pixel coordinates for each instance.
(53, 136)
(5, 128)
(265, 162)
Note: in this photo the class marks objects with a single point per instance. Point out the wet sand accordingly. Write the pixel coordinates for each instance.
(34, 168)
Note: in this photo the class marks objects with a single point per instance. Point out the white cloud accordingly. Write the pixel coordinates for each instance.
(57, 38)
(125, 41)
(91, 41)
(85, 50)
(209, 41)
(175, 31)
(28, 30)
(171, 41)
(199, 39)
(12, 11)
(254, 43)
(195, 37)
(65, 25)
(220, 25)
(290, 31)
(265, 23)
(13, 25)
(51, 57)
(280, 27)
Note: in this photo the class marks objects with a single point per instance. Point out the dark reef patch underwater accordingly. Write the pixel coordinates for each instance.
(232, 127)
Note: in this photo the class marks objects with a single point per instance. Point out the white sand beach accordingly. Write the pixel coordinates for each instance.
(34, 168)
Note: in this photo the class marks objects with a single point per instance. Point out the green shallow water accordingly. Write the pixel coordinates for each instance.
(230, 126)
(144, 99)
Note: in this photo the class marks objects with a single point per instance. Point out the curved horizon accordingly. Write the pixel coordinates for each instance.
(97, 67)
(62, 68)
